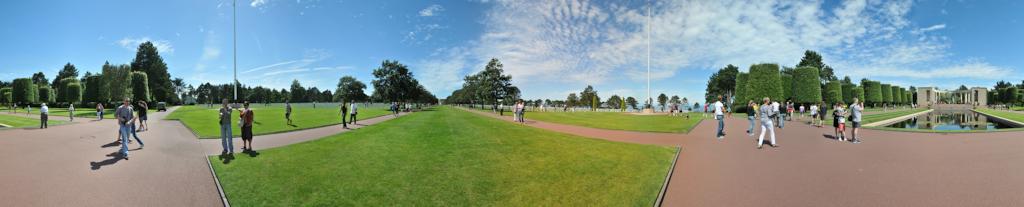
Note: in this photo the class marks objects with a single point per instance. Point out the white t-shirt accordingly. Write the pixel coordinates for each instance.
(814, 109)
(719, 108)
(775, 107)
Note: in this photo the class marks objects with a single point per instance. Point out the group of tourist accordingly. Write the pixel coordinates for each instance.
(774, 114)
(129, 121)
(246, 119)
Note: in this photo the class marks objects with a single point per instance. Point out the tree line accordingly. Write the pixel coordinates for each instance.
(810, 81)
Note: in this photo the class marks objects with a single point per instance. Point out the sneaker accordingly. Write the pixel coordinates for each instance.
(759, 146)
(774, 146)
(856, 141)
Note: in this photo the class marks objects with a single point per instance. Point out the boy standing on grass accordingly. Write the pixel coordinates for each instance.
(225, 128)
(246, 117)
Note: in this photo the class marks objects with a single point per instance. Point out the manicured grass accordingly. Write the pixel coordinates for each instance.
(1017, 108)
(617, 120)
(204, 121)
(1019, 117)
(448, 157)
(20, 121)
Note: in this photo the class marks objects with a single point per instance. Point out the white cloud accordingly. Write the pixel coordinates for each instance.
(258, 3)
(974, 69)
(211, 52)
(163, 46)
(431, 10)
(443, 71)
(929, 29)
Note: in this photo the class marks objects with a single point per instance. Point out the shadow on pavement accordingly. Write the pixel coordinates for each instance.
(112, 144)
(114, 158)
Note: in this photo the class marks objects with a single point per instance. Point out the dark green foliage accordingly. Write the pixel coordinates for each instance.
(721, 83)
(93, 85)
(350, 90)
(886, 93)
(806, 88)
(23, 91)
(848, 91)
(588, 97)
(73, 93)
(140, 87)
(787, 86)
(834, 92)
(741, 92)
(148, 60)
(662, 99)
(765, 81)
(6, 95)
(857, 92)
(46, 95)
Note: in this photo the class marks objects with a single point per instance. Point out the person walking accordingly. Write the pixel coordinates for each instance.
(802, 111)
(766, 123)
(353, 111)
(225, 128)
(751, 112)
(814, 114)
(99, 112)
(44, 115)
(288, 112)
(779, 114)
(246, 117)
(394, 109)
(133, 124)
(124, 116)
(720, 116)
(143, 110)
(522, 111)
(343, 112)
(822, 110)
(856, 113)
(839, 122)
(71, 111)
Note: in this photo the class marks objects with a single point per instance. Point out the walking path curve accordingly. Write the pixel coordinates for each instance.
(810, 168)
(77, 164)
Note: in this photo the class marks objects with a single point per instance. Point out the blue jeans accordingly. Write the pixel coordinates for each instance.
(136, 135)
(751, 129)
(225, 138)
(124, 139)
(782, 120)
(721, 125)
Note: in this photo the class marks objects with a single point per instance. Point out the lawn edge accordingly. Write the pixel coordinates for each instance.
(220, 190)
(668, 178)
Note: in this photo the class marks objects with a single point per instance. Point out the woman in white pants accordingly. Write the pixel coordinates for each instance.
(766, 123)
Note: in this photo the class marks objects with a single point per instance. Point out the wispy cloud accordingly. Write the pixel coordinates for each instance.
(258, 3)
(163, 46)
(211, 52)
(929, 29)
(431, 10)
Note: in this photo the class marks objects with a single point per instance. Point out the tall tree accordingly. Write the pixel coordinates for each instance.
(350, 90)
(722, 83)
(805, 85)
(297, 91)
(813, 59)
(741, 95)
(614, 102)
(834, 92)
(60, 83)
(588, 97)
(140, 87)
(23, 91)
(394, 82)
(765, 81)
(631, 102)
(571, 100)
(117, 82)
(886, 93)
(40, 79)
(148, 60)
(662, 99)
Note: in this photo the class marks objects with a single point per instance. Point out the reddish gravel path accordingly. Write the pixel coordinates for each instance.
(811, 169)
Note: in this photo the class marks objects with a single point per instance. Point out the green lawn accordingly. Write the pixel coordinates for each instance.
(617, 120)
(268, 120)
(448, 157)
(1019, 117)
(1017, 108)
(20, 121)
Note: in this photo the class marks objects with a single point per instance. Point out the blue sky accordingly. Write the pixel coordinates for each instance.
(551, 47)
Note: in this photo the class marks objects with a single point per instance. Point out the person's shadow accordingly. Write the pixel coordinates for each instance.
(114, 158)
(829, 136)
(112, 144)
(226, 158)
(252, 153)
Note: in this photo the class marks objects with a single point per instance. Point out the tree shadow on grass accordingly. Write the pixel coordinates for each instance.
(114, 158)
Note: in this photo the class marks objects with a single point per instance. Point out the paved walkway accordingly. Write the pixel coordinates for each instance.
(812, 169)
(76, 164)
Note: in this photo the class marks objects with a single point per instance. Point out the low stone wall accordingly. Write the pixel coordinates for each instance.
(897, 119)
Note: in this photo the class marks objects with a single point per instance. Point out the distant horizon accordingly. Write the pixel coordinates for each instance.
(550, 48)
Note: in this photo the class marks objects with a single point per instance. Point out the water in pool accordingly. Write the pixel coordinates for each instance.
(951, 120)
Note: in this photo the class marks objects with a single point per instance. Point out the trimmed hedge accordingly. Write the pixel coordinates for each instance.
(764, 81)
(806, 88)
(833, 92)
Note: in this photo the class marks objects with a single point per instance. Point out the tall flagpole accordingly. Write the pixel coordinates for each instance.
(234, 39)
(649, 100)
